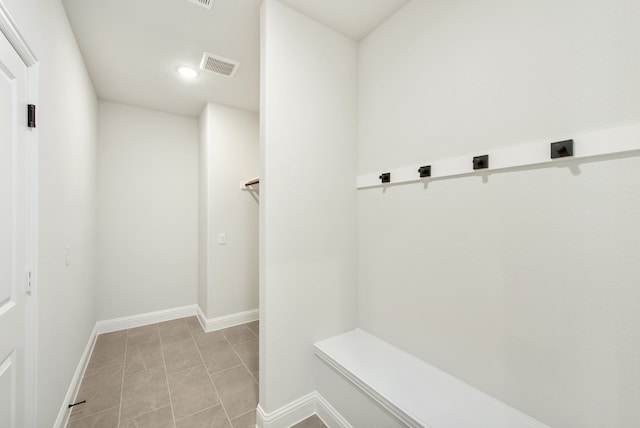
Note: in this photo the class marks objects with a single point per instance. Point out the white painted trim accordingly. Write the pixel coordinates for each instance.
(405, 417)
(329, 415)
(415, 391)
(594, 144)
(72, 392)
(202, 318)
(132, 321)
(208, 325)
(226, 321)
(288, 414)
(299, 410)
(10, 30)
(32, 172)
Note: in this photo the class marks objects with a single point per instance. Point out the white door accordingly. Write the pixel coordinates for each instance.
(13, 238)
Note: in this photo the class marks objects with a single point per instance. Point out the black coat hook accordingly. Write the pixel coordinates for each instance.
(385, 177)
(562, 149)
(481, 162)
(425, 171)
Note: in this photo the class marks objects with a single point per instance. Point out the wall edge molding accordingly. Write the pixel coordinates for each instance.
(74, 386)
(226, 321)
(329, 415)
(287, 415)
(10, 30)
(202, 318)
(381, 400)
(123, 323)
(407, 413)
(300, 409)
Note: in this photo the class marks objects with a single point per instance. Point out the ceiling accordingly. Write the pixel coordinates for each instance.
(353, 18)
(133, 47)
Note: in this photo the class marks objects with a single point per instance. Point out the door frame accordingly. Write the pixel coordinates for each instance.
(10, 30)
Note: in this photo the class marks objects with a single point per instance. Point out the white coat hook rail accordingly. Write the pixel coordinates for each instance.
(593, 144)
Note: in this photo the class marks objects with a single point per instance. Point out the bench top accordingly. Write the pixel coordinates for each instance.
(417, 393)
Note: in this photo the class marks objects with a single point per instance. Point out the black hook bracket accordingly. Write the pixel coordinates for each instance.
(425, 171)
(562, 149)
(481, 162)
(385, 177)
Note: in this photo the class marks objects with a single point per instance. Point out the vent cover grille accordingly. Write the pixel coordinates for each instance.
(207, 4)
(219, 65)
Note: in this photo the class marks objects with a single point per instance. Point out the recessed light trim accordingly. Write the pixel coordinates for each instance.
(187, 72)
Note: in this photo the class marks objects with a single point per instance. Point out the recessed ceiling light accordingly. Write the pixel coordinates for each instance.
(187, 72)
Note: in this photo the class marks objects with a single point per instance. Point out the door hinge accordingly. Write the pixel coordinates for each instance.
(31, 115)
(29, 282)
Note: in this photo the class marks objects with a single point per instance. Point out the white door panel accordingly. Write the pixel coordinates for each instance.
(7, 101)
(7, 392)
(13, 212)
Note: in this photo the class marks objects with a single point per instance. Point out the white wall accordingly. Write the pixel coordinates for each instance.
(524, 286)
(307, 197)
(539, 69)
(67, 189)
(232, 156)
(147, 210)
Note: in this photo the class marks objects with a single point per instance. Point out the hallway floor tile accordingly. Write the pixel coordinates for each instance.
(171, 374)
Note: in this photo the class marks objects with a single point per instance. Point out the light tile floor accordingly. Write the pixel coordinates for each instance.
(171, 374)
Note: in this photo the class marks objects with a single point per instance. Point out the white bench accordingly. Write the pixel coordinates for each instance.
(417, 393)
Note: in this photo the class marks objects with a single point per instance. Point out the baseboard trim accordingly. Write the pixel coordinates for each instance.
(299, 410)
(202, 318)
(289, 414)
(72, 392)
(132, 321)
(226, 321)
(329, 415)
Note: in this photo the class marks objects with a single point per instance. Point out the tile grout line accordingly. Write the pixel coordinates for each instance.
(219, 397)
(124, 362)
(245, 366)
(225, 370)
(245, 413)
(240, 358)
(199, 411)
(252, 376)
(90, 416)
(166, 375)
(146, 368)
(145, 413)
(256, 337)
(209, 376)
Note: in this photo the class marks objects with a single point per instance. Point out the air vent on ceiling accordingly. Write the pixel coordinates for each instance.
(219, 65)
(204, 3)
